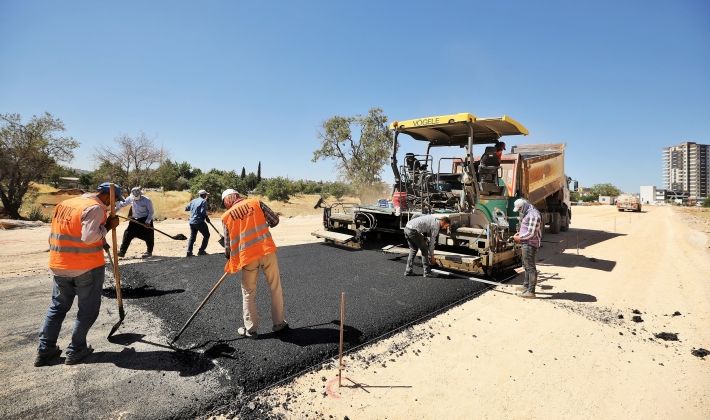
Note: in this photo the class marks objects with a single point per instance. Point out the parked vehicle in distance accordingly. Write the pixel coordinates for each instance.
(628, 202)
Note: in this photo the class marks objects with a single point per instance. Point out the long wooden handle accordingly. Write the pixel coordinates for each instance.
(116, 272)
(224, 276)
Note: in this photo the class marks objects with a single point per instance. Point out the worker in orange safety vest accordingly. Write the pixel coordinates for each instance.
(248, 246)
(76, 260)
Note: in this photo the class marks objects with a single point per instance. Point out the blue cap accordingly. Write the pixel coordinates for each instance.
(106, 188)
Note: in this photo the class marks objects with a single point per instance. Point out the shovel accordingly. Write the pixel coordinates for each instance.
(172, 342)
(116, 272)
(221, 238)
(178, 237)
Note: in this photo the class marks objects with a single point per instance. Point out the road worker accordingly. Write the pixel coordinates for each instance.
(198, 219)
(248, 246)
(416, 231)
(142, 211)
(529, 236)
(76, 261)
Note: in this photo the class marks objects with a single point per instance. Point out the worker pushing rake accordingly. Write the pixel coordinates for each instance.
(248, 247)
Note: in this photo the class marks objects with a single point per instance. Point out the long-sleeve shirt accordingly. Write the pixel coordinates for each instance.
(272, 219)
(198, 210)
(92, 230)
(530, 226)
(427, 225)
(142, 207)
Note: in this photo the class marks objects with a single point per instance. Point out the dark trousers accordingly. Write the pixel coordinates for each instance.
(417, 242)
(134, 230)
(202, 228)
(529, 255)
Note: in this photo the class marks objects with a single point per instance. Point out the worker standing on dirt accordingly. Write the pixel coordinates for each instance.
(415, 232)
(76, 261)
(198, 217)
(248, 246)
(529, 236)
(142, 211)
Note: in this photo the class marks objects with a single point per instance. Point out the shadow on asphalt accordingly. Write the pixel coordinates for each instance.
(308, 336)
(144, 291)
(187, 363)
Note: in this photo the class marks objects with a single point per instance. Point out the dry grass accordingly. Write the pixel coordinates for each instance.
(703, 212)
(171, 204)
(42, 188)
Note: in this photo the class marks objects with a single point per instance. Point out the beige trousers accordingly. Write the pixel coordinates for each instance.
(250, 274)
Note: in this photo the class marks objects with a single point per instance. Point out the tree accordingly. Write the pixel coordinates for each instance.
(135, 155)
(166, 176)
(278, 189)
(601, 189)
(244, 173)
(258, 173)
(27, 153)
(705, 202)
(359, 161)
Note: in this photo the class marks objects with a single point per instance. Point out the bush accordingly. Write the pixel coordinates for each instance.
(36, 214)
(706, 202)
(279, 189)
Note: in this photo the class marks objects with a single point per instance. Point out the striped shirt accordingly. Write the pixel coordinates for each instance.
(427, 225)
(530, 226)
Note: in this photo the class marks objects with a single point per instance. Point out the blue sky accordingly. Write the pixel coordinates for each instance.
(226, 84)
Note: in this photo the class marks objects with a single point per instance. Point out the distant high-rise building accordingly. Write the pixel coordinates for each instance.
(686, 167)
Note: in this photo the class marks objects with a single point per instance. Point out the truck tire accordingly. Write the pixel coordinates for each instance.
(555, 222)
(639, 209)
(565, 224)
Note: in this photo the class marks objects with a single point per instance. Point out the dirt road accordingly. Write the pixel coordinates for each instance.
(566, 355)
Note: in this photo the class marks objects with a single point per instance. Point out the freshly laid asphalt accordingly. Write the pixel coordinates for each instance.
(378, 300)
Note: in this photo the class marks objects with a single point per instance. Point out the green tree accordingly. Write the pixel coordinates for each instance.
(27, 153)
(111, 172)
(601, 189)
(258, 173)
(359, 161)
(279, 189)
(86, 180)
(706, 202)
(338, 189)
(166, 176)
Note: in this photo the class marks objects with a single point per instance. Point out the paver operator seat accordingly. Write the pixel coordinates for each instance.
(488, 173)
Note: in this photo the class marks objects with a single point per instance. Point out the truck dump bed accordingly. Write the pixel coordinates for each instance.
(543, 170)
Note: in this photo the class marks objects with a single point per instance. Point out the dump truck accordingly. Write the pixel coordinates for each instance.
(628, 202)
(476, 193)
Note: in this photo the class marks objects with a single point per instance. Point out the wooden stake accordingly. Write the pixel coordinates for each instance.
(577, 243)
(342, 323)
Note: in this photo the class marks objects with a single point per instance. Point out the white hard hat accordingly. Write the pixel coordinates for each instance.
(228, 192)
(136, 191)
(518, 204)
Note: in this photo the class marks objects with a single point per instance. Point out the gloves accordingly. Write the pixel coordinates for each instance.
(106, 247)
(207, 219)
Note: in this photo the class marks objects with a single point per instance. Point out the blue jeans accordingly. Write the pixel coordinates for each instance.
(87, 287)
(417, 241)
(202, 228)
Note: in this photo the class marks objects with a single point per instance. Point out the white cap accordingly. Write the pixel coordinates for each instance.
(518, 204)
(228, 192)
(203, 192)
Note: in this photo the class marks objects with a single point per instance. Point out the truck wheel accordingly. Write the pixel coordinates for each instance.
(565, 225)
(555, 222)
(639, 209)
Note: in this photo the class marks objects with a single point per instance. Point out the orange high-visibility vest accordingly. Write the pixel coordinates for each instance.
(249, 236)
(66, 249)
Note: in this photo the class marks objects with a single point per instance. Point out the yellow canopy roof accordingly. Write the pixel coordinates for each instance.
(453, 129)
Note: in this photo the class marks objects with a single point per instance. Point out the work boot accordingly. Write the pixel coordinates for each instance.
(189, 254)
(147, 255)
(75, 358)
(121, 253)
(202, 252)
(409, 273)
(530, 292)
(528, 295)
(522, 288)
(431, 274)
(43, 358)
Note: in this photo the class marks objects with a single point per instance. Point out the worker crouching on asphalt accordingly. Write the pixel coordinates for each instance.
(415, 232)
(142, 211)
(529, 236)
(248, 246)
(76, 260)
(198, 217)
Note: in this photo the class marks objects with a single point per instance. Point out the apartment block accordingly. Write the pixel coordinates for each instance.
(686, 168)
